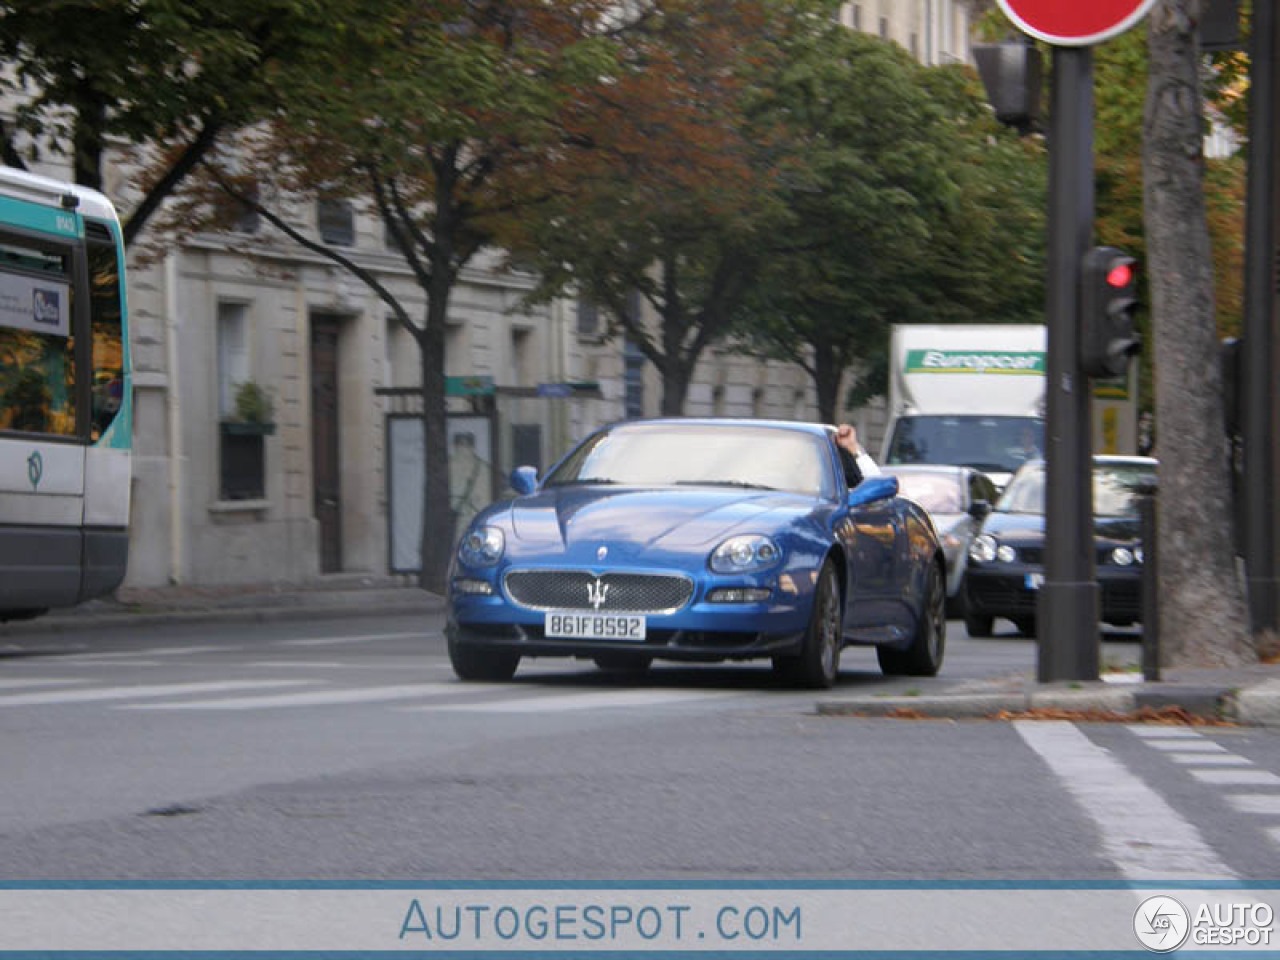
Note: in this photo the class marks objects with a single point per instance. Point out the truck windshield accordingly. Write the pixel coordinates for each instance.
(1000, 444)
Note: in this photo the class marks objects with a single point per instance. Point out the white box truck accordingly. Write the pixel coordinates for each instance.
(974, 394)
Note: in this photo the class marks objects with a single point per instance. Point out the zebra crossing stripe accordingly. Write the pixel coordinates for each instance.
(315, 698)
(26, 683)
(1141, 833)
(1267, 804)
(141, 690)
(560, 703)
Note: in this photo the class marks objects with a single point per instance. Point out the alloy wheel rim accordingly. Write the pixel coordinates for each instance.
(830, 629)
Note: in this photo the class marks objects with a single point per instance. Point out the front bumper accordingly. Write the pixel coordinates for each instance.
(700, 631)
(1004, 590)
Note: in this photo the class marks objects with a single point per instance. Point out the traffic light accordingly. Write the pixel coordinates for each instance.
(1108, 300)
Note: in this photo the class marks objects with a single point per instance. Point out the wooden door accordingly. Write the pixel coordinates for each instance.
(324, 440)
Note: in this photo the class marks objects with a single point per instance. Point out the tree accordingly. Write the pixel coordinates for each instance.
(167, 77)
(1201, 602)
(669, 195)
(441, 117)
(907, 203)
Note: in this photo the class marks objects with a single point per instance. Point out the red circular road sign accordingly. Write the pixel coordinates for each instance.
(1074, 23)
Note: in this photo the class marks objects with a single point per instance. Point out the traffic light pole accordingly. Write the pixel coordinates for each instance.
(1260, 409)
(1067, 611)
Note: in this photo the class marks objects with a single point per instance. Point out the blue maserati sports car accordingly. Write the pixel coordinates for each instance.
(699, 540)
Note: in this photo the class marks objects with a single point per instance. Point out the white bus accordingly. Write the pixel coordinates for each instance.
(66, 417)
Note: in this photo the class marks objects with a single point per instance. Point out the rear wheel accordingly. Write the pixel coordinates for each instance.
(818, 664)
(924, 657)
(476, 663)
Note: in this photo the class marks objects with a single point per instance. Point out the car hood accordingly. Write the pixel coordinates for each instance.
(580, 520)
(1030, 526)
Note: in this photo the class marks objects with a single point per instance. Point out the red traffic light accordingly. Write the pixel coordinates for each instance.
(1121, 275)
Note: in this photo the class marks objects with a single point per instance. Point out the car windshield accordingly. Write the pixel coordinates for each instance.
(1000, 444)
(1115, 489)
(936, 492)
(751, 457)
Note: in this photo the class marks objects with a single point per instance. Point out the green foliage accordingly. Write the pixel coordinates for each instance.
(907, 203)
(253, 403)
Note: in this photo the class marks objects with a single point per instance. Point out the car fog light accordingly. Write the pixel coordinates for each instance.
(475, 588)
(1006, 554)
(1122, 556)
(738, 595)
(1137, 554)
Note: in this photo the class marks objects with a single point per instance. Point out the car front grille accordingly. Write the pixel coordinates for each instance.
(610, 592)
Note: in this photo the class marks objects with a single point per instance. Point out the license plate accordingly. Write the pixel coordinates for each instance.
(1035, 581)
(586, 625)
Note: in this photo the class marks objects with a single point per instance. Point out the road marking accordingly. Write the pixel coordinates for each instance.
(21, 683)
(151, 652)
(359, 638)
(1209, 759)
(1264, 803)
(1188, 746)
(313, 698)
(1148, 732)
(1251, 778)
(560, 703)
(1274, 834)
(1141, 833)
(142, 690)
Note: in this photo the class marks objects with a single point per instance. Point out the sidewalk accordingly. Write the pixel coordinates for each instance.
(1248, 696)
(341, 595)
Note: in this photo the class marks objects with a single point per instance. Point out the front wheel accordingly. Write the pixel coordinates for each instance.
(924, 657)
(818, 663)
(476, 663)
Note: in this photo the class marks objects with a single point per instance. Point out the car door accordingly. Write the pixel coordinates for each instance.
(877, 545)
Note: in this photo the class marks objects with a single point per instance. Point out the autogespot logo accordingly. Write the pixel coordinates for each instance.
(1162, 924)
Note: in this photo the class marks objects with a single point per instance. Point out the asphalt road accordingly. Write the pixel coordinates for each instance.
(346, 750)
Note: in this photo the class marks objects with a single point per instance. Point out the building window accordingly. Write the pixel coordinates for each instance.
(241, 463)
(336, 222)
(247, 218)
(588, 319)
(915, 45)
(233, 355)
(884, 28)
(857, 16)
(633, 379)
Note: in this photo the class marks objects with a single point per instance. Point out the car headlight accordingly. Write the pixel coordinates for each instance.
(1123, 557)
(744, 554)
(1006, 553)
(482, 547)
(983, 548)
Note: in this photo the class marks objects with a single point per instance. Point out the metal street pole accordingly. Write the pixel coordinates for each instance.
(1260, 416)
(1067, 613)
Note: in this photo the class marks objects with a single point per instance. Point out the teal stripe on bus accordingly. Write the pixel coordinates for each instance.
(37, 216)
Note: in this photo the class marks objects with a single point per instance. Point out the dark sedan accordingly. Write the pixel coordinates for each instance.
(1006, 559)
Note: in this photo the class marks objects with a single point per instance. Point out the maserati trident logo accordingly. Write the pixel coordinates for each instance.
(596, 592)
(602, 552)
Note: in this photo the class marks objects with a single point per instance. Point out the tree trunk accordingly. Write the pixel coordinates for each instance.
(675, 388)
(1202, 613)
(438, 532)
(827, 371)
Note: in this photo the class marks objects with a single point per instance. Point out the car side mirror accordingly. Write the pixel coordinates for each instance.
(872, 489)
(524, 479)
(979, 509)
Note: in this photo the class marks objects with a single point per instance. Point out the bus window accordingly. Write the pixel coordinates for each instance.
(105, 316)
(37, 348)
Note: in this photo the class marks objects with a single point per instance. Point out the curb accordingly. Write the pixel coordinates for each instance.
(164, 618)
(1253, 706)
